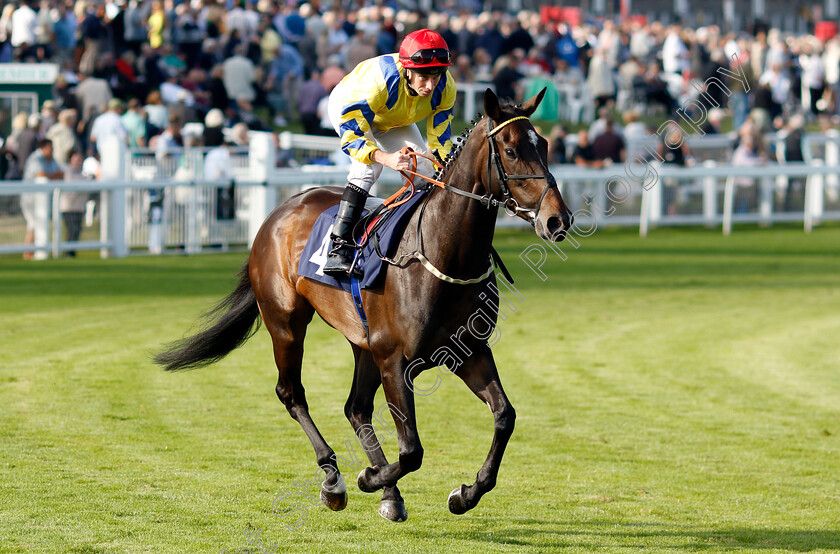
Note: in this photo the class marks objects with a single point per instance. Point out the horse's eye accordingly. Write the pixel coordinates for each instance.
(510, 152)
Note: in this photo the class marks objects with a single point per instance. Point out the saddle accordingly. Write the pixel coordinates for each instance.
(378, 235)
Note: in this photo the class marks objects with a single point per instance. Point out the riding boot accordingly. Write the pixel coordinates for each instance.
(349, 211)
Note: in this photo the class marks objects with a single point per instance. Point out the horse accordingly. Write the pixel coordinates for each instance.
(419, 307)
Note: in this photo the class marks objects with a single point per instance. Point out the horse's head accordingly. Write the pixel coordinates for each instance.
(517, 170)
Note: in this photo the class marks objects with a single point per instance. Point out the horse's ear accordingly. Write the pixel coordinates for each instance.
(530, 105)
(491, 104)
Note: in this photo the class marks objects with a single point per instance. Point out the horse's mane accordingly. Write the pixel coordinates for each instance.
(457, 144)
(504, 105)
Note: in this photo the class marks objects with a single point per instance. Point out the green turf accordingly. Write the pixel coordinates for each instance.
(679, 393)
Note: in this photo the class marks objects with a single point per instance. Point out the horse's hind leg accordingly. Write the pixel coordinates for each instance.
(288, 329)
(359, 410)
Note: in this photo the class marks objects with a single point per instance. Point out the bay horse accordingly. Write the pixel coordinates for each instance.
(501, 163)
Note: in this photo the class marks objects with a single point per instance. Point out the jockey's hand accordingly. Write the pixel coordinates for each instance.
(395, 160)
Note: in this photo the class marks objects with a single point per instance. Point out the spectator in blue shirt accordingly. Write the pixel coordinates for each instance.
(65, 33)
(490, 40)
(309, 96)
(567, 49)
(283, 82)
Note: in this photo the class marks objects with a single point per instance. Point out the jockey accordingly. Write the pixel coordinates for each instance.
(374, 110)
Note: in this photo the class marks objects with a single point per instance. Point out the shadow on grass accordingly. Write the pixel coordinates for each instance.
(684, 259)
(181, 277)
(182, 280)
(597, 535)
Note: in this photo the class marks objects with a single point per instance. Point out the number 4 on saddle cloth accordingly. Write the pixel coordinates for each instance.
(383, 232)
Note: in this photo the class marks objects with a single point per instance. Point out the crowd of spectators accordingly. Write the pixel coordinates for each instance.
(237, 56)
(142, 69)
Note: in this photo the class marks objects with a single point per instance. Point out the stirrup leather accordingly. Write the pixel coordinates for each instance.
(340, 258)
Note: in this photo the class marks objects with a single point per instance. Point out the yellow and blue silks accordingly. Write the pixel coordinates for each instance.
(375, 95)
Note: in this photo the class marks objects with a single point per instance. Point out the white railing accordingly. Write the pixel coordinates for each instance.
(48, 237)
(719, 148)
(707, 194)
(188, 212)
(712, 194)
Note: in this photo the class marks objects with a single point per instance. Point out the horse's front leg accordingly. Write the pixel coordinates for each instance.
(480, 375)
(400, 398)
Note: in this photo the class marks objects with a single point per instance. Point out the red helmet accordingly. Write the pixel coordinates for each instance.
(425, 51)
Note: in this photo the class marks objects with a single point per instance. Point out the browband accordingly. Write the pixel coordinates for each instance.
(500, 125)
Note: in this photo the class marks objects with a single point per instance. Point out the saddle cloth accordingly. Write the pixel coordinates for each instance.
(388, 235)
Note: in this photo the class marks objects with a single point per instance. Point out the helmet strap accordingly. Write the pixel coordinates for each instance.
(411, 91)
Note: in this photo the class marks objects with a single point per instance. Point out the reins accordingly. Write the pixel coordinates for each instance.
(409, 182)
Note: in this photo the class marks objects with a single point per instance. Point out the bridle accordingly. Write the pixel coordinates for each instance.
(494, 159)
(512, 207)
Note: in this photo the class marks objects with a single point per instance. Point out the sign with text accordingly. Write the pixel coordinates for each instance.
(28, 73)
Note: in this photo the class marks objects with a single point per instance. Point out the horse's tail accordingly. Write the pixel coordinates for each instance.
(229, 325)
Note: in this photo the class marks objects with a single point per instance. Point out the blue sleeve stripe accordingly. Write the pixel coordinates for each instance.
(438, 93)
(355, 145)
(440, 117)
(351, 125)
(392, 79)
(363, 107)
(445, 135)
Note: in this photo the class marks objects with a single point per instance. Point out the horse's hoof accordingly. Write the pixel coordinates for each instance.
(393, 510)
(335, 497)
(457, 504)
(335, 501)
(364, 480)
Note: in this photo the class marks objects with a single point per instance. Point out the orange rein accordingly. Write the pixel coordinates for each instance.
(409, 181)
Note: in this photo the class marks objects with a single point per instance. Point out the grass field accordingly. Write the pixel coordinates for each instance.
(679, 393)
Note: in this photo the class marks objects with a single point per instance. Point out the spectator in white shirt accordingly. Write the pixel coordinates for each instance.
(217, 165)
(779, 84)
(218, 168)
(634, 130)
(239, 75)
(600, 81)
(24, 25)
(108, 124)
(6, 28)
(831, 62)
(777, 53)
(172, 93)
(243, 19)
(156, 111)
(92, 93)
(813, 75)
(674, 52)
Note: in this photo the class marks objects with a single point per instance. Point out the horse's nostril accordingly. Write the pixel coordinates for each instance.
(556, 228)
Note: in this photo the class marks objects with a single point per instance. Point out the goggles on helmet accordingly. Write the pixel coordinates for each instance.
(429, 55)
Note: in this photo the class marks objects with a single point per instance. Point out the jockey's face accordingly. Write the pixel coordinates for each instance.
(423, 85)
